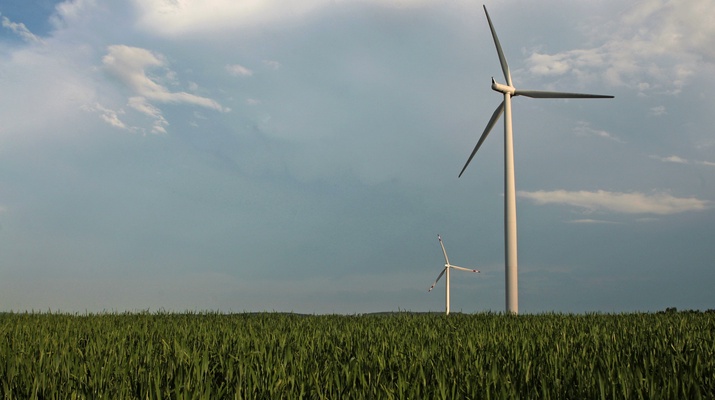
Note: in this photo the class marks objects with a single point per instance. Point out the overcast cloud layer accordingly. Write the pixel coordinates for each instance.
(303, 156)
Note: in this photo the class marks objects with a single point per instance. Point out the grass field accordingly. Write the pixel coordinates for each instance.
(403, 355)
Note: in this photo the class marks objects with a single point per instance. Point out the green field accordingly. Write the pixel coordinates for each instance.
(403, 355)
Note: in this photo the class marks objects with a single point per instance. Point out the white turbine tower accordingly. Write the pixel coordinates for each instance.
(447, 267)
(509, 91)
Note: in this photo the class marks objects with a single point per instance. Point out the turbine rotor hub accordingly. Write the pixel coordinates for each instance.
(503, 88)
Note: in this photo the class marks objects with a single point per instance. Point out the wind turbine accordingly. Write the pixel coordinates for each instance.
(509, 91)
(447, 267)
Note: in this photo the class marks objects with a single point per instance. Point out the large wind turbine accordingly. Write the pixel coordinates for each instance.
(447, 267)
(509, 91)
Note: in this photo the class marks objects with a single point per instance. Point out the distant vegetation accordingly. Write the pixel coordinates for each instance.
(667, 355)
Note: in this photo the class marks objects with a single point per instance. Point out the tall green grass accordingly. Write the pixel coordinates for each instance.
(407, 356)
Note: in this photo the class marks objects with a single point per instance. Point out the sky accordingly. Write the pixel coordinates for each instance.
(302, 156)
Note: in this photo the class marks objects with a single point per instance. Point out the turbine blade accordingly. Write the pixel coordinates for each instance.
(435, 282)
(446, 260)
(502, 58)
(490, 125)
(464, 269)
(538, 94)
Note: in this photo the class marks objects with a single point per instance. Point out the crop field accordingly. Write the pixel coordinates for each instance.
(402, 355)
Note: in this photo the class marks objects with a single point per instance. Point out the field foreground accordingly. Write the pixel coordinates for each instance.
(403, 355)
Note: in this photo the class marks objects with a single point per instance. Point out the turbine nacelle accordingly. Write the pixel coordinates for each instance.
(498, 87)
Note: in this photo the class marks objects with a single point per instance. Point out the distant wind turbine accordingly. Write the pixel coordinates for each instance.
(509, 91)
(447, 267)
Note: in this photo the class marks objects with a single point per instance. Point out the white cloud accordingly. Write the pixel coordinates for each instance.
(272, 64)
(671, 159)
(545, 64)
(41, 87)
(110, 116)
(628, 203)
(178, 17)
(185, 16)
(140, 104)
(129, 64)
(21, 30)
(136, 103)
(591, 221)
(679, 160)
(238, 70)
(584, 129)
(70, 11)
(656, 45)
(658, 111)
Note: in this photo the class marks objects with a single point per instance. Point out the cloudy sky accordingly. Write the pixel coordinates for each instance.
(266, 155)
